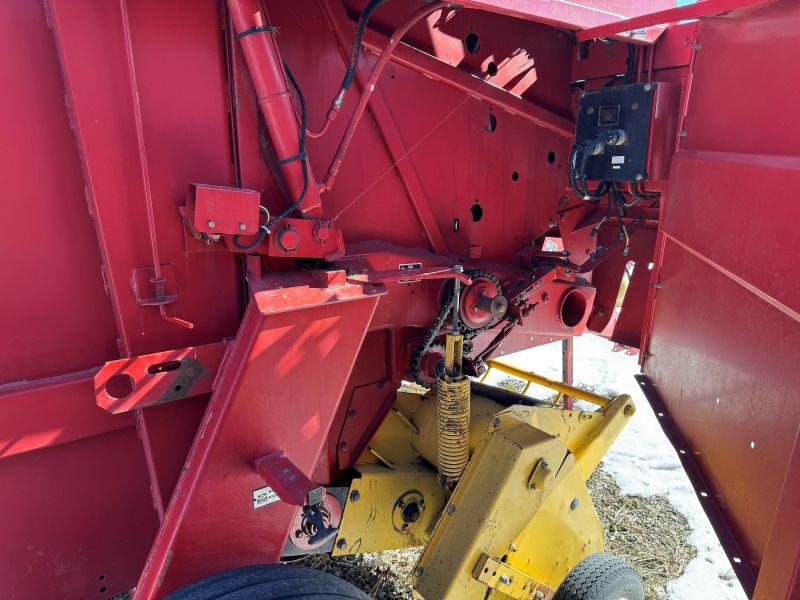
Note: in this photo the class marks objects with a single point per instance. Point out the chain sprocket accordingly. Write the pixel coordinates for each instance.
(468, 332)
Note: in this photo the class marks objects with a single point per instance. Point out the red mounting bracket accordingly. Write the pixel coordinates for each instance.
(289, 482)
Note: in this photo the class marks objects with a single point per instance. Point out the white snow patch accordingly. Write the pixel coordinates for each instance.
(641, 460)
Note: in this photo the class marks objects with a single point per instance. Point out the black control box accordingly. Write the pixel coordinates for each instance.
(627, 107)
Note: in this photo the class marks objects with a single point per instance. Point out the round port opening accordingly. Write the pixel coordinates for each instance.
(573, 308)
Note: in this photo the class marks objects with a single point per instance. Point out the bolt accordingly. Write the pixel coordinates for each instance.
(401, 503)
(355, 496)
(212, 224)
(539, 596)
(405, 527)
(544, 464)
(343, 446)
(451, 508)
(648, 87)
(242, 226)
(418, 571)
(458, 268)
(639, 177)
(635, 105)
(496, 422)
(506, 579)
(512, 548)
(629, 410)
(551, 223)
(352, 413)
(574, 504)
(341, 544)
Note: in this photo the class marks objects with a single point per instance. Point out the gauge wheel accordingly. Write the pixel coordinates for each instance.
(270, 582)
(602, 576)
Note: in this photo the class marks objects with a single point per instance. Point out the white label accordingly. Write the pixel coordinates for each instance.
(264, 496)
(405, 266)
(618, 160)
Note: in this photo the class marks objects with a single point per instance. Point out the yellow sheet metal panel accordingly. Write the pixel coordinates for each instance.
(564, 531)
(391, 444)
(380, 504)
(491, 507)
(588, 434)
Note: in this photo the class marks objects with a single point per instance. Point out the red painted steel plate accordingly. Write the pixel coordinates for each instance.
(130, 383)
(726, 328)
(297, 345)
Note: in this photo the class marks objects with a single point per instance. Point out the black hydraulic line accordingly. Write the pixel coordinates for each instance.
(356, 50)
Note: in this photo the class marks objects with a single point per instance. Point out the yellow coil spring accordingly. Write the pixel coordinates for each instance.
(453, 425)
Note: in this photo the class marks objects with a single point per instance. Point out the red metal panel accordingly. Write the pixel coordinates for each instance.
(571, 14)
(780, 570)
(279, 391)
(77, 518)
(40, 414)
(672, 15)
(55, 316)
(726, 323)
(171, 67)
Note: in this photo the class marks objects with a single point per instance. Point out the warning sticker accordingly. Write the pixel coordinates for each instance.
(263, 496)
(618, 160)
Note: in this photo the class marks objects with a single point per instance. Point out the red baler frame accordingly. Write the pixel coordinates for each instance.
(147, 363)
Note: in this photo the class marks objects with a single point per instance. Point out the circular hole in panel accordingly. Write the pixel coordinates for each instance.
(477, 212)
(120, 385)
(472, 42)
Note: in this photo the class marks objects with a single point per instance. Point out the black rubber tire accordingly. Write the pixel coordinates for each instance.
(270, 582)
(602, 576)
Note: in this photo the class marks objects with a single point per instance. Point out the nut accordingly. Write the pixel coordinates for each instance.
(242, 227)
(212, 224)
(506, 579)
(355, 496)
(496, 422)
(341, 544)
